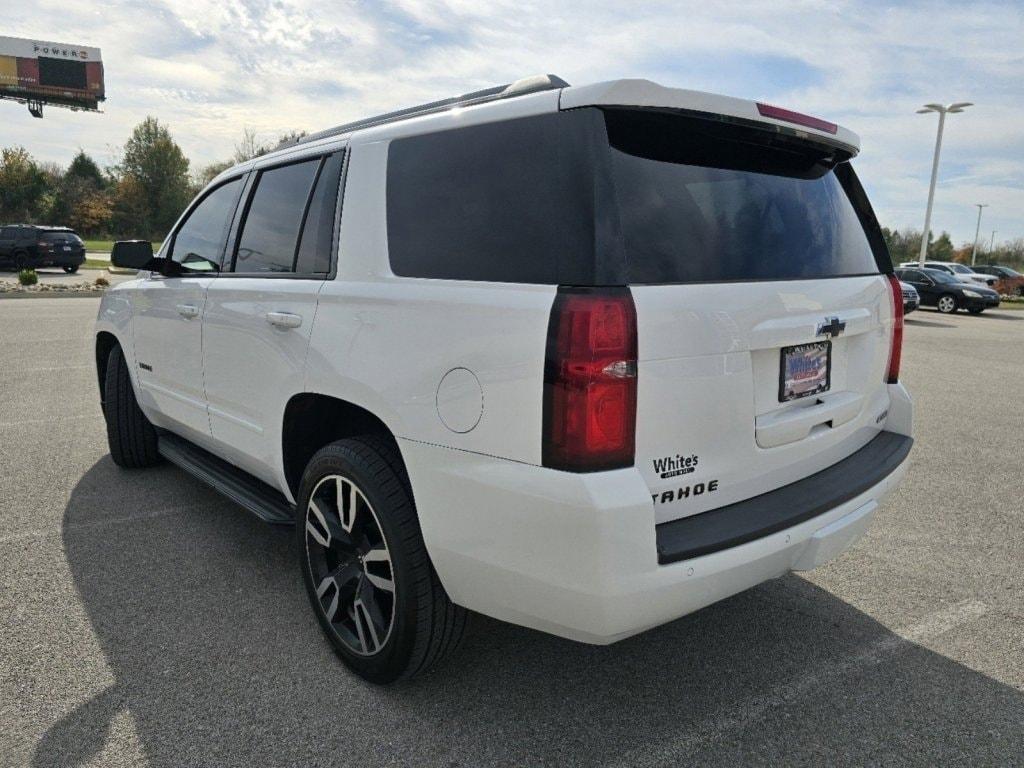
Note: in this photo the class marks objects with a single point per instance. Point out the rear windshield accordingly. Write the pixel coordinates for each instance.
(614, 197)
(700, 207)
(61, 237)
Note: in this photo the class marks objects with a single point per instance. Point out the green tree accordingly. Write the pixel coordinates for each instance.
(903, 246)
(85, 168)
(23, 186)
(153, 183)
(209, 172)
(941, 248)
(83, 180)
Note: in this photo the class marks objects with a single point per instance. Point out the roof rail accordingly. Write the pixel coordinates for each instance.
(520, 87)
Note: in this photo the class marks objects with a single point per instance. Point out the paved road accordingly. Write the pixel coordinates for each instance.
(144, 620)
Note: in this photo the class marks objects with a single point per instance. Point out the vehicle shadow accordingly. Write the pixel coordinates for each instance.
(217, 660)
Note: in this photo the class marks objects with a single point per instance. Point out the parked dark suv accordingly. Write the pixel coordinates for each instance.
(31, 246)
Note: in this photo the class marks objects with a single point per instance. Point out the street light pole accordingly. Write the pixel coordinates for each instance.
(991, 243)
(977, 229)
(943, 111)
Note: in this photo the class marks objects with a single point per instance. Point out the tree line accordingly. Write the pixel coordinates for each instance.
(906, 246)
(140, 195)
(144, 191)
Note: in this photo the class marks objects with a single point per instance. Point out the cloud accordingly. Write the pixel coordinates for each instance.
(209, 68)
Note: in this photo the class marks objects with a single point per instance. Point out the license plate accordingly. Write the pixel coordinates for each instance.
(67, 247)
(805, 370)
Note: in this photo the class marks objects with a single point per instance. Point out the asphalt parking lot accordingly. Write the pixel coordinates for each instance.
(145, 620)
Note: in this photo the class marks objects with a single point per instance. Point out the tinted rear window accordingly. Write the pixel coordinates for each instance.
(318, 231)
(271, 227)
(699, 207)
(61, 237)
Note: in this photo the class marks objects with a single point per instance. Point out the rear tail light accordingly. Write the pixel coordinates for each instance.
(892, 375)
(590, 381)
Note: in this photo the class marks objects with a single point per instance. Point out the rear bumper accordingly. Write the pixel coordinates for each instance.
(786, 507)
(577, 555)
(61, 260)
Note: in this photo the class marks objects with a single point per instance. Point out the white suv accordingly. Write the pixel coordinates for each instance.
(582, 359)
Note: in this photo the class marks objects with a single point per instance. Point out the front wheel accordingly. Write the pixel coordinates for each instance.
(947, 304)
(71, 269)
(132, 439)
(365, 566)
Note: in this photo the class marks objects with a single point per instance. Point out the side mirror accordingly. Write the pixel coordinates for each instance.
(133, 254)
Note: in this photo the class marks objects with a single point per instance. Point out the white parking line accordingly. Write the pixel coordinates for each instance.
(714, 729)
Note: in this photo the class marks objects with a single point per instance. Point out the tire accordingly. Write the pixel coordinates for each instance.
(132, 439)
(947, 304)
(20, 261)
(71, 270)
(1020, 290)
(382, 634)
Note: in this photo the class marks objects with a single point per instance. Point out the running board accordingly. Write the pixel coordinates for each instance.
(242, 488)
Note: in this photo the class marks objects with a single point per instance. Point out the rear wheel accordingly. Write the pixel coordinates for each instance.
(71, 269)
(132, 439)
(947, 304)
(365, 566)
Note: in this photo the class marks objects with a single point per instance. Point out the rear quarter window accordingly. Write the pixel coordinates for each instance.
(512, 201)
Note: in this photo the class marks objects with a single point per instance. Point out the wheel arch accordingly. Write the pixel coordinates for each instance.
(313, 420)
(105, 342)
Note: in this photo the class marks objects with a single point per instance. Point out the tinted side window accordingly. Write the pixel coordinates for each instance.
(318, 230)
(512, 201)
(199, 242)
(270, 231)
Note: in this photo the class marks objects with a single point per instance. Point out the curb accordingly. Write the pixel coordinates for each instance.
(51, 295)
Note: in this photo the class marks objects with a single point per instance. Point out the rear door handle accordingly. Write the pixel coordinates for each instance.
(188, 310)
(284, 319)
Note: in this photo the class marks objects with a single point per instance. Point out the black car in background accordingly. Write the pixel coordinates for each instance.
(911, 299)
(943, 291)
(29, 246)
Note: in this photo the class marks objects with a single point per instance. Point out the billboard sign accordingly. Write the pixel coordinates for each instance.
(38, 72)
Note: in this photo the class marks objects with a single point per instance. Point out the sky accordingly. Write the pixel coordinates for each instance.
(210, 69)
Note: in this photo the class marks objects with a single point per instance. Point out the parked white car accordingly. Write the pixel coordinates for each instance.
(582, 359)
(961, 272)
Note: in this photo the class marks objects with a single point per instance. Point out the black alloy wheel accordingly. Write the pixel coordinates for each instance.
(350, 565)
(365, 565)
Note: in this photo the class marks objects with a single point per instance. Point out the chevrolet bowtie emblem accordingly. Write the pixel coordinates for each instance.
(832, 327)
